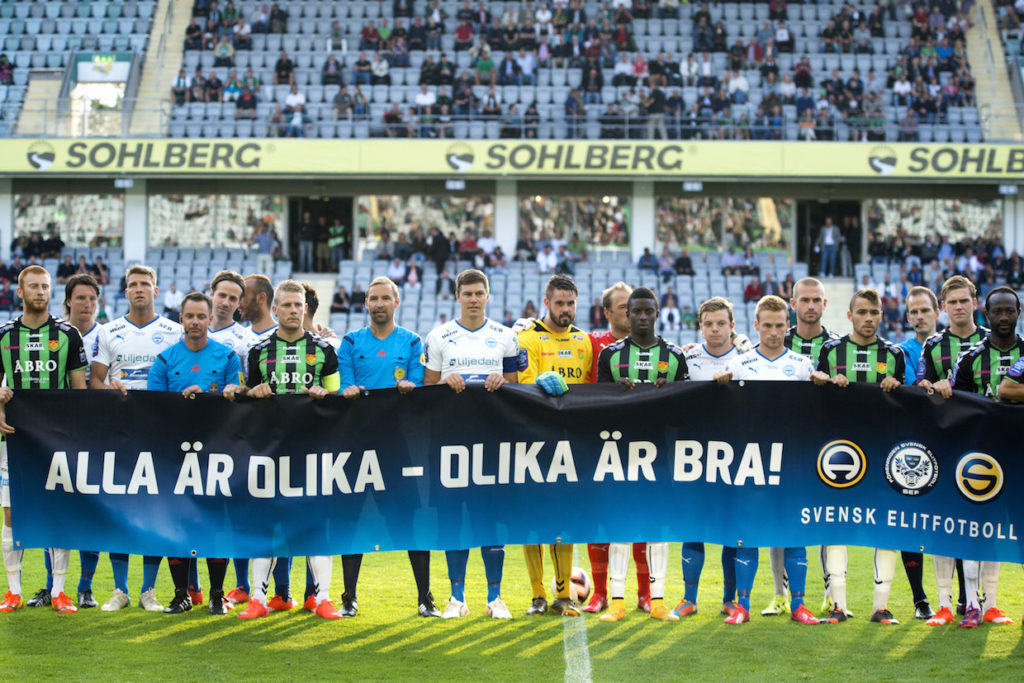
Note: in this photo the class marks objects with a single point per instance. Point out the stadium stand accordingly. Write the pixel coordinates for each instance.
(568, 100)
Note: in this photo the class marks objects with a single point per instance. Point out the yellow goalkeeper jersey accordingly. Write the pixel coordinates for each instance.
(568, 353)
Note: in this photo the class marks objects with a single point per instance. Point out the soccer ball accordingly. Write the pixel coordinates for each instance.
(579, 585)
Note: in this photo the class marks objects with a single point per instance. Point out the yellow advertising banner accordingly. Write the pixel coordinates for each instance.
(605, 159)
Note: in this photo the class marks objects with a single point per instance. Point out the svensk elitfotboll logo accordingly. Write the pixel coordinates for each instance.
(979, 477)
(841, 464)
(911, 468)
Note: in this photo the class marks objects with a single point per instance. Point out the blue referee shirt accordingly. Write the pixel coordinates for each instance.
(365, 361)
(211, 368)
(912, 349)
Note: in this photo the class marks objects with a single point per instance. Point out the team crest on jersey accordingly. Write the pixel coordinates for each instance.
(911, 468)
(491, 342)
(158, 338)
(581, 355)
(399, 374)
(841, 464)
(54, 344)
(881, 367)
(789, 370)
(662, 366)
(310, 359)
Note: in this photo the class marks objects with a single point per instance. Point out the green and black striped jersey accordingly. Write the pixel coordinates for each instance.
(982, 367)
(941, 352)
(41, 358)
(868, 363)
(810, 347)
(287, 365)
(641, 364)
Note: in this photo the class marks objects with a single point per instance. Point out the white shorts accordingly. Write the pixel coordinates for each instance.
(5, 489)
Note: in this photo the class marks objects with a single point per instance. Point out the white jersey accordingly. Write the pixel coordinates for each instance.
(265, 334)
(452, 349)
(129, 351)
(238, 338)
(91, 342)
(704, 365)
(789, 366)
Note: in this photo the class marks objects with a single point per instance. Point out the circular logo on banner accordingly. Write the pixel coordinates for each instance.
(41, 155)
(459, 157)
(882, 160)
(979, 477)
(841, 464)
(911, 469)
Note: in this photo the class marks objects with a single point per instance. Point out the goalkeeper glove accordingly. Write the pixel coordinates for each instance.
(552, 383)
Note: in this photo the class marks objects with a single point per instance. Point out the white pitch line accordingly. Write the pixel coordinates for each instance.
(574, 643)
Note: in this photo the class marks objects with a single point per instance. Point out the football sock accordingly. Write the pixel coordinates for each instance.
(913, 565)
(835, 561)
(60, 558)
(885, 569)
(657, 562)
(944, 579)
(746, 560)
(193, 576)
(728, 574)
(88, 559)
(420, 561)
(119, 566)
(48, 563)
(598, 554)
(150, 568)
(262, 568)
(457, 560)
(795, 563)
(777, 557)
(535, 569)
(990, 582)
(643, 572)
(321, 567)
(618, 565)
(960, 580)
(310, 582)
(178, 566)
(693, 565)
(350, 565)
(282, 577)
(561, 557)
(12, 560)
(242, 573)
(218, 569)
(971, 576)
(494, 566)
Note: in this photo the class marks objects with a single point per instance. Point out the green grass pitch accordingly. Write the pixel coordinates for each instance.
(387, 640)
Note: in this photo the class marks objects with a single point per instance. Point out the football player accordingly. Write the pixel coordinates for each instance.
(555, 345)
(641, 358)
(704, 361)
(473, 348)
(934, 372)
(615, 301)
(291, 361)
(861, 356)
(125, 353)
(51, 356)
(770, 360)
(981, 370)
